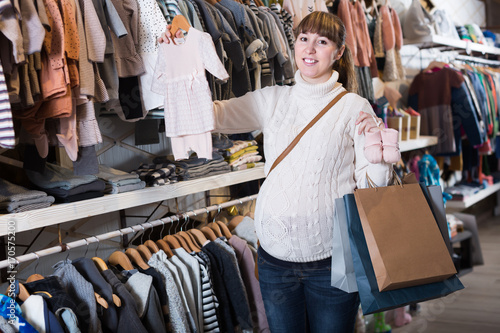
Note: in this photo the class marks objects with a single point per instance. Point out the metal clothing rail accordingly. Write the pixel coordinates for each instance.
(493, 63)
(13, 262)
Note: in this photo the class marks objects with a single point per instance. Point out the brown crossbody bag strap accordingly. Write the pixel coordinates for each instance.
(301, 134)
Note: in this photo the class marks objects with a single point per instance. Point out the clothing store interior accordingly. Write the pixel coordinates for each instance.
(122, 209)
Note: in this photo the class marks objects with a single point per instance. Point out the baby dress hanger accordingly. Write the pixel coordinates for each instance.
(179, 22)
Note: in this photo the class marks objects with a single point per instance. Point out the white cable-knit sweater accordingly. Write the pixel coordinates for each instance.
(295, 208)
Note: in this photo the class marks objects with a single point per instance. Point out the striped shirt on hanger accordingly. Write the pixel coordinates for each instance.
(209, 304)
(7, 134)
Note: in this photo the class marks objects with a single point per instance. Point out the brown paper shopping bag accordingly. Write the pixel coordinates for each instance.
(405, 244)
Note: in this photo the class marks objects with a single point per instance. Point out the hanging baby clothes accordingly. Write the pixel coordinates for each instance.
(180, 77)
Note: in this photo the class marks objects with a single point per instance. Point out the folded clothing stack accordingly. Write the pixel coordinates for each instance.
(475, 33)
(118, 181)
(462, 191)
(242, 155)
(157, 174)
(16, 199)
(64, 185)
(463, 33)
(194, 168)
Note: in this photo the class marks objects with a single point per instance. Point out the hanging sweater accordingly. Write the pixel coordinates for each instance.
(294, 211)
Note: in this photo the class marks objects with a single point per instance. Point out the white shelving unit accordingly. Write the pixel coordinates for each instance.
(422, 142)
(437, 41)
(113, 202)
(469, 201)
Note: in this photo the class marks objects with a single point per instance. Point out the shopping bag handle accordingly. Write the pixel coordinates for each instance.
(395, 178)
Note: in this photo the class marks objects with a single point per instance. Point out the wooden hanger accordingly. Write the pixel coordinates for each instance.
(189, 242)
(212, 2)
(195, 242)
(144, 252)
(250, 215)
(215, 227)
(179, 21)
(101, 301)
(198, 236)
(119, 258)
(183, 243)
(23, 293)
(209, 233)
(34, 277)
(101, 264)
(172, 242)
(164, 246)
(235, 221)
(151, 246)
(225, 230)
(136, 258)
(116, 300)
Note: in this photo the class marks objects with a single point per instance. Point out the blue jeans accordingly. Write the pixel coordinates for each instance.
(295, 297)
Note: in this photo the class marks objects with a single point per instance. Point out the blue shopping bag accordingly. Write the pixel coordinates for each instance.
(372, 300)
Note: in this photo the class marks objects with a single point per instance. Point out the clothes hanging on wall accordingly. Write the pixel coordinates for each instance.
(299, 9)
(359, 43)
(99, 57)
(443, 100)
(460, 106)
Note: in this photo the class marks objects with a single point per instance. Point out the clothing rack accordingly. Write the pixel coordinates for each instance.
(493, 63)
(13, 262)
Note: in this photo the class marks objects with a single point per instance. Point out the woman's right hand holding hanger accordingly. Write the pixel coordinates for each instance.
(166, 36)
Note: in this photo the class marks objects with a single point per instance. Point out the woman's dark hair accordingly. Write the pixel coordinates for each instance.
(330, 26)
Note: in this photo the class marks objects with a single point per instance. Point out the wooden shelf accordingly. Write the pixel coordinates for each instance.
(436, 41)
(454, 205)
(113, 202)
(422, 142)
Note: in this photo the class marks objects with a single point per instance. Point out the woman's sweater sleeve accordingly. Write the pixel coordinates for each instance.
(242, 114)
(380, 173)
